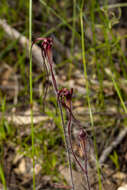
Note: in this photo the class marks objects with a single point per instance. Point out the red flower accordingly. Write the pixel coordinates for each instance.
(46, 45)
(65, 96)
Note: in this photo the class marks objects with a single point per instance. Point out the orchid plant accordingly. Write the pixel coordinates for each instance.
(64, 99)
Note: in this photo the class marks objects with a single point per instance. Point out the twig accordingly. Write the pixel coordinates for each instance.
(36, 50)
(113, 145)
(15, 100)
(15, 35)
(24, 119)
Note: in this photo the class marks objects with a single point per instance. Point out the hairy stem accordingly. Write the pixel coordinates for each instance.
(83, 147)
(85, 170)
(66, 144)
(62, 119)
(70, 141)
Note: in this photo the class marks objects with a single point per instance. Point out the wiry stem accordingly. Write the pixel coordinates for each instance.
(83, 142)
(70, 140)
(62, 119)
(65, 98)
(49, 59)
(86, 169)
(86, 173)
(47, 53)
(66, 144)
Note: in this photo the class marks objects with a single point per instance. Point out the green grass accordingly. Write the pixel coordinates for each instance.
(3, 178)
(88, 94)
(31, 91)
(2, 137)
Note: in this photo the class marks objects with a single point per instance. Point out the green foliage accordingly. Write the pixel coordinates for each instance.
(2, 178)
(115, 159)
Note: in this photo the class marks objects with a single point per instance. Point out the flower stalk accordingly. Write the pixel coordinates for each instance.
(64, 99)
(46, 50)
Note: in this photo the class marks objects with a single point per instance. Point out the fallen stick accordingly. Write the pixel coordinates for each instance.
(15, 35)
(113, 145)
(24, 118)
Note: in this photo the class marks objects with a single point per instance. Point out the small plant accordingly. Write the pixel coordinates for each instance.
(64, 99)
(115, 159)
(46, 50)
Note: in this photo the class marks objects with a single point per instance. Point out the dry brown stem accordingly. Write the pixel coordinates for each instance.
(15, 35)
(113, 145)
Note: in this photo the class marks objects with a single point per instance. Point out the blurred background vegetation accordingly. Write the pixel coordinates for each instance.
(105, 31)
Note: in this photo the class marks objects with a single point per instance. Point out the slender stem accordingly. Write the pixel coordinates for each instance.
(47, 55)
(87, 89)
(66, 144)
(53, 77)
(83, 147)
(86, 174)
(31, 89)
(54, 83)
(85, 171)
(70, 141)
(119, 94)
(2, 177)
